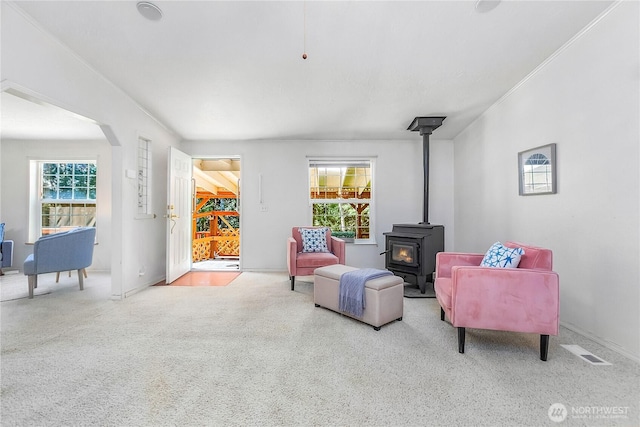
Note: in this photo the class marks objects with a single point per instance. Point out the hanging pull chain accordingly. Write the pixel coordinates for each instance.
(304, 30)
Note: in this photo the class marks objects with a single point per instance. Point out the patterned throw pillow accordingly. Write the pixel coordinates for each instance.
(2, 232)
(314, 239)
(499, 255)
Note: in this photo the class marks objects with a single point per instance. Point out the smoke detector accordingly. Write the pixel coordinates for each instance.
(149, 11)
(483, 6)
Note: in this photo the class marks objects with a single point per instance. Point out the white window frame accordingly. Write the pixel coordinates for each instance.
(37, 197)
(143, 179)
(346, 160)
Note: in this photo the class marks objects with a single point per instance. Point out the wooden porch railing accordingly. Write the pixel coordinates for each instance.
(218, 241)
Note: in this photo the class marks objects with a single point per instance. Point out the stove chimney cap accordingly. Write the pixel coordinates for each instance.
(420, 123)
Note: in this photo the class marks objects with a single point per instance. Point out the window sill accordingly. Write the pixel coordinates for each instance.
(363, 242)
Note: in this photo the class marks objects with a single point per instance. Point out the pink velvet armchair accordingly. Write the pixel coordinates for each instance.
(522, 299)
(302, 263)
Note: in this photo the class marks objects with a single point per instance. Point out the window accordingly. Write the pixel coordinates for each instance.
(340, 196)
(67, 195)
(144, 174)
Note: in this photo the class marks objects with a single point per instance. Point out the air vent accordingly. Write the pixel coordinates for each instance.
(585, 355)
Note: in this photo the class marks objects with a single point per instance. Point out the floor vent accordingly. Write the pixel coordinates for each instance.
(585, 355)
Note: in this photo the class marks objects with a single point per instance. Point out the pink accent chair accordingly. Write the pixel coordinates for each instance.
(523, 299)
(304, 264)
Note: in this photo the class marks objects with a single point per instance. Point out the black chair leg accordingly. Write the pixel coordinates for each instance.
(293, 280)
(544, 347)
(460, 340)
(441, 314)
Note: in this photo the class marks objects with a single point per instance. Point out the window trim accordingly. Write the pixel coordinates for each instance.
(372, 199)
(147, 183)
(36, 199)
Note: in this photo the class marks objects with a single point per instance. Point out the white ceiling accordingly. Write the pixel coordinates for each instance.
(233, 70)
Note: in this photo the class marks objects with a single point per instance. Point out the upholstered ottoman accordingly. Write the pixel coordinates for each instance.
(383, 296)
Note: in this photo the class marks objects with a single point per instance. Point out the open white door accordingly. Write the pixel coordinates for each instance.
(178, 215)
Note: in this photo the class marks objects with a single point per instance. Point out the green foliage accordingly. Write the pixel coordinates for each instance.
(344, 234)
(340, 217)
(202, 224)
(69, 181)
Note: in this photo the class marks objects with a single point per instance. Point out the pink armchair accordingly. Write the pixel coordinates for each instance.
(523, 299)
(304, 263)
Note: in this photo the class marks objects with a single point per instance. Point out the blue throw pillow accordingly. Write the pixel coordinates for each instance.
(2, 232)
(314, 239)
(501, 256)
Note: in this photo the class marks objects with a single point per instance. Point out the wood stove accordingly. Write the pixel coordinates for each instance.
(410, 249)
(410, 252)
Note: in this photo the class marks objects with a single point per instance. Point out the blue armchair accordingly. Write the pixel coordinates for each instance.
(69, 250)
(6, 254)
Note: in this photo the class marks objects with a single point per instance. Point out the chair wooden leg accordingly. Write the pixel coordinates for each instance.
(84, 271)
(544, 347)
(442, 314)
(293, 281)
(80, 277)
(32, 279)
(460, 340)
(57, 276)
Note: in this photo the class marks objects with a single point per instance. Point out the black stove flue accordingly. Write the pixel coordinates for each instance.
(426, 125)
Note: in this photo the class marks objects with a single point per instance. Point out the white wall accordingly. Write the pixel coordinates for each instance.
(140, 244)
(586, 100)
(35, 63)
(284, 168)
(15, 189)
(441, 185)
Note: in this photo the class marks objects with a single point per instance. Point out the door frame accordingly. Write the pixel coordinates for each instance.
(240, 158)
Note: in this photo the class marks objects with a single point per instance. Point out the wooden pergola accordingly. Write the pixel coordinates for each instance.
(218, 241)
(351, 184)
(215, 179)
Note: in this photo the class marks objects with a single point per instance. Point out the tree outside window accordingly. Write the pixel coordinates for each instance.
(340, 196)
(67, 195)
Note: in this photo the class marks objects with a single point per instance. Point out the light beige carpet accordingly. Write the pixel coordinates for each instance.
(14, 285)
(254, 353)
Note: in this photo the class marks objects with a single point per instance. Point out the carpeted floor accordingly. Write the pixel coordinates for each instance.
(15, 285)
(254, 353)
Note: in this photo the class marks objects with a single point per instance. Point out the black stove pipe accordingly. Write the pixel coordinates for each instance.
(426, 125)
(425, 174)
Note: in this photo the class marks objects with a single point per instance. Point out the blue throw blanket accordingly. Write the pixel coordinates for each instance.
(351, 297)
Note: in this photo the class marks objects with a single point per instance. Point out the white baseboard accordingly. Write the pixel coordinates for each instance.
(604, 343)
(137, 289)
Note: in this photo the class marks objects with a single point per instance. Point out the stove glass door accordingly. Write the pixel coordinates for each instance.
(404, 253)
